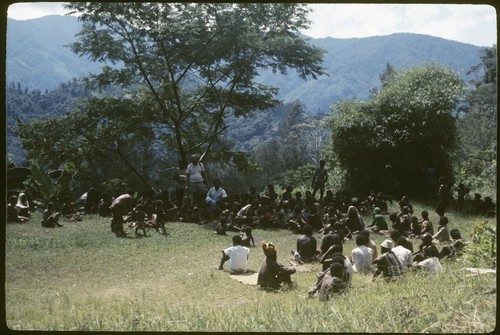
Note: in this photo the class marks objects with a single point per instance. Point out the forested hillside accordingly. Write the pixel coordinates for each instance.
(38, 59)
(254, 143)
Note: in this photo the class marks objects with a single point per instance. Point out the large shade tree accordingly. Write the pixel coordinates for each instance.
(195, 63)
(405, 133)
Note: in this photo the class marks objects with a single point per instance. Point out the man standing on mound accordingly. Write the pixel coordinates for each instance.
(236, 256)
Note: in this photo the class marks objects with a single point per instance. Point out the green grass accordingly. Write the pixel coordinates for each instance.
(81, 277)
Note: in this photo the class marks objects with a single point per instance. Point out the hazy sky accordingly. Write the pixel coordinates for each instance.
(474, 24)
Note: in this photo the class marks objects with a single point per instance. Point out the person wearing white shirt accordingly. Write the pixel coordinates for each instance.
(404, 255)
(196, 180)
(214, 195)
(431, 263)
(236, 257)
(361, 256)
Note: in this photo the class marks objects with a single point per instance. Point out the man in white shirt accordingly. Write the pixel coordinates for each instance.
(236, 257)
(214, 195)
(404, 255)
(361, 256)
(196, 179)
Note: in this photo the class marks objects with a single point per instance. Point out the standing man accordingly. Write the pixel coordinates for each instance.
(319, 179)
(196, 180)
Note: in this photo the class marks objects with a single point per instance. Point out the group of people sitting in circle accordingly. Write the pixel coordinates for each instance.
(336, 218)
(396, 257)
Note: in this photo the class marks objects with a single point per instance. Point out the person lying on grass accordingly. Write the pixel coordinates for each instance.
(236, 257)
(273, 275)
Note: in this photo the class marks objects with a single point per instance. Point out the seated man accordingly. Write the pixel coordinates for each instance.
(362, 256)
(454, 249)
(214, 196)
(388, 263)
(427, 243)
(236, 257)
(325, 284)
(431, 263)
(306, 246)
(333, 282)
(272, 274)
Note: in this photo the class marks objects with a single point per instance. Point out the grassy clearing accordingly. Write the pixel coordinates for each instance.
(81, 277)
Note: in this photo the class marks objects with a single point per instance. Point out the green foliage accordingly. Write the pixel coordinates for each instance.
(197, 62)
(408, 124)
(475, 161)
(482, 251)
(44, 182)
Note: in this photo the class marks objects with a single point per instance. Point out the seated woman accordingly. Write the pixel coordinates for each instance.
(273, 275)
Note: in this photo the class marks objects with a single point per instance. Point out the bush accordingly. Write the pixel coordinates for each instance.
(482, 251)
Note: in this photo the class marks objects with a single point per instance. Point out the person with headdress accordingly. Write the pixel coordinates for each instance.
(272, 275)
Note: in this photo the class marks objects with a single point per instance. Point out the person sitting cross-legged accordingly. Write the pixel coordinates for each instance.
(236, 257)
(273, 275)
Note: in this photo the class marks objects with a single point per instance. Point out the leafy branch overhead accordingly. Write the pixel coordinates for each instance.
(197, 61)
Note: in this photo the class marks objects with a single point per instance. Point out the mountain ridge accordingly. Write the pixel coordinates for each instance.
(38, 59)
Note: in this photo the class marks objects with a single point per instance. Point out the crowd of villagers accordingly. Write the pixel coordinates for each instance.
(333, 218)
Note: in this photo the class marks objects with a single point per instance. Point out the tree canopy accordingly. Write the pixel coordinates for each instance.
(195, 63)
(408, 125)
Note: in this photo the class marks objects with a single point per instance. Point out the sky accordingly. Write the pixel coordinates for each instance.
(468, 23)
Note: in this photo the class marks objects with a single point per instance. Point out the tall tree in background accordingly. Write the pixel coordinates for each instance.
(196, 62)
(408, 124)
(477, 129)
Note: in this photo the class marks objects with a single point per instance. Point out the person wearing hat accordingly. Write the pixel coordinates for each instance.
(443, 233)
(427, 243)
(273, 274)
(388, 263)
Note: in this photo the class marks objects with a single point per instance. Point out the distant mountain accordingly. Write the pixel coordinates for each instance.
(37, 58)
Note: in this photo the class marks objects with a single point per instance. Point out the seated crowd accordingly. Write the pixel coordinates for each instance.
(337, 218)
